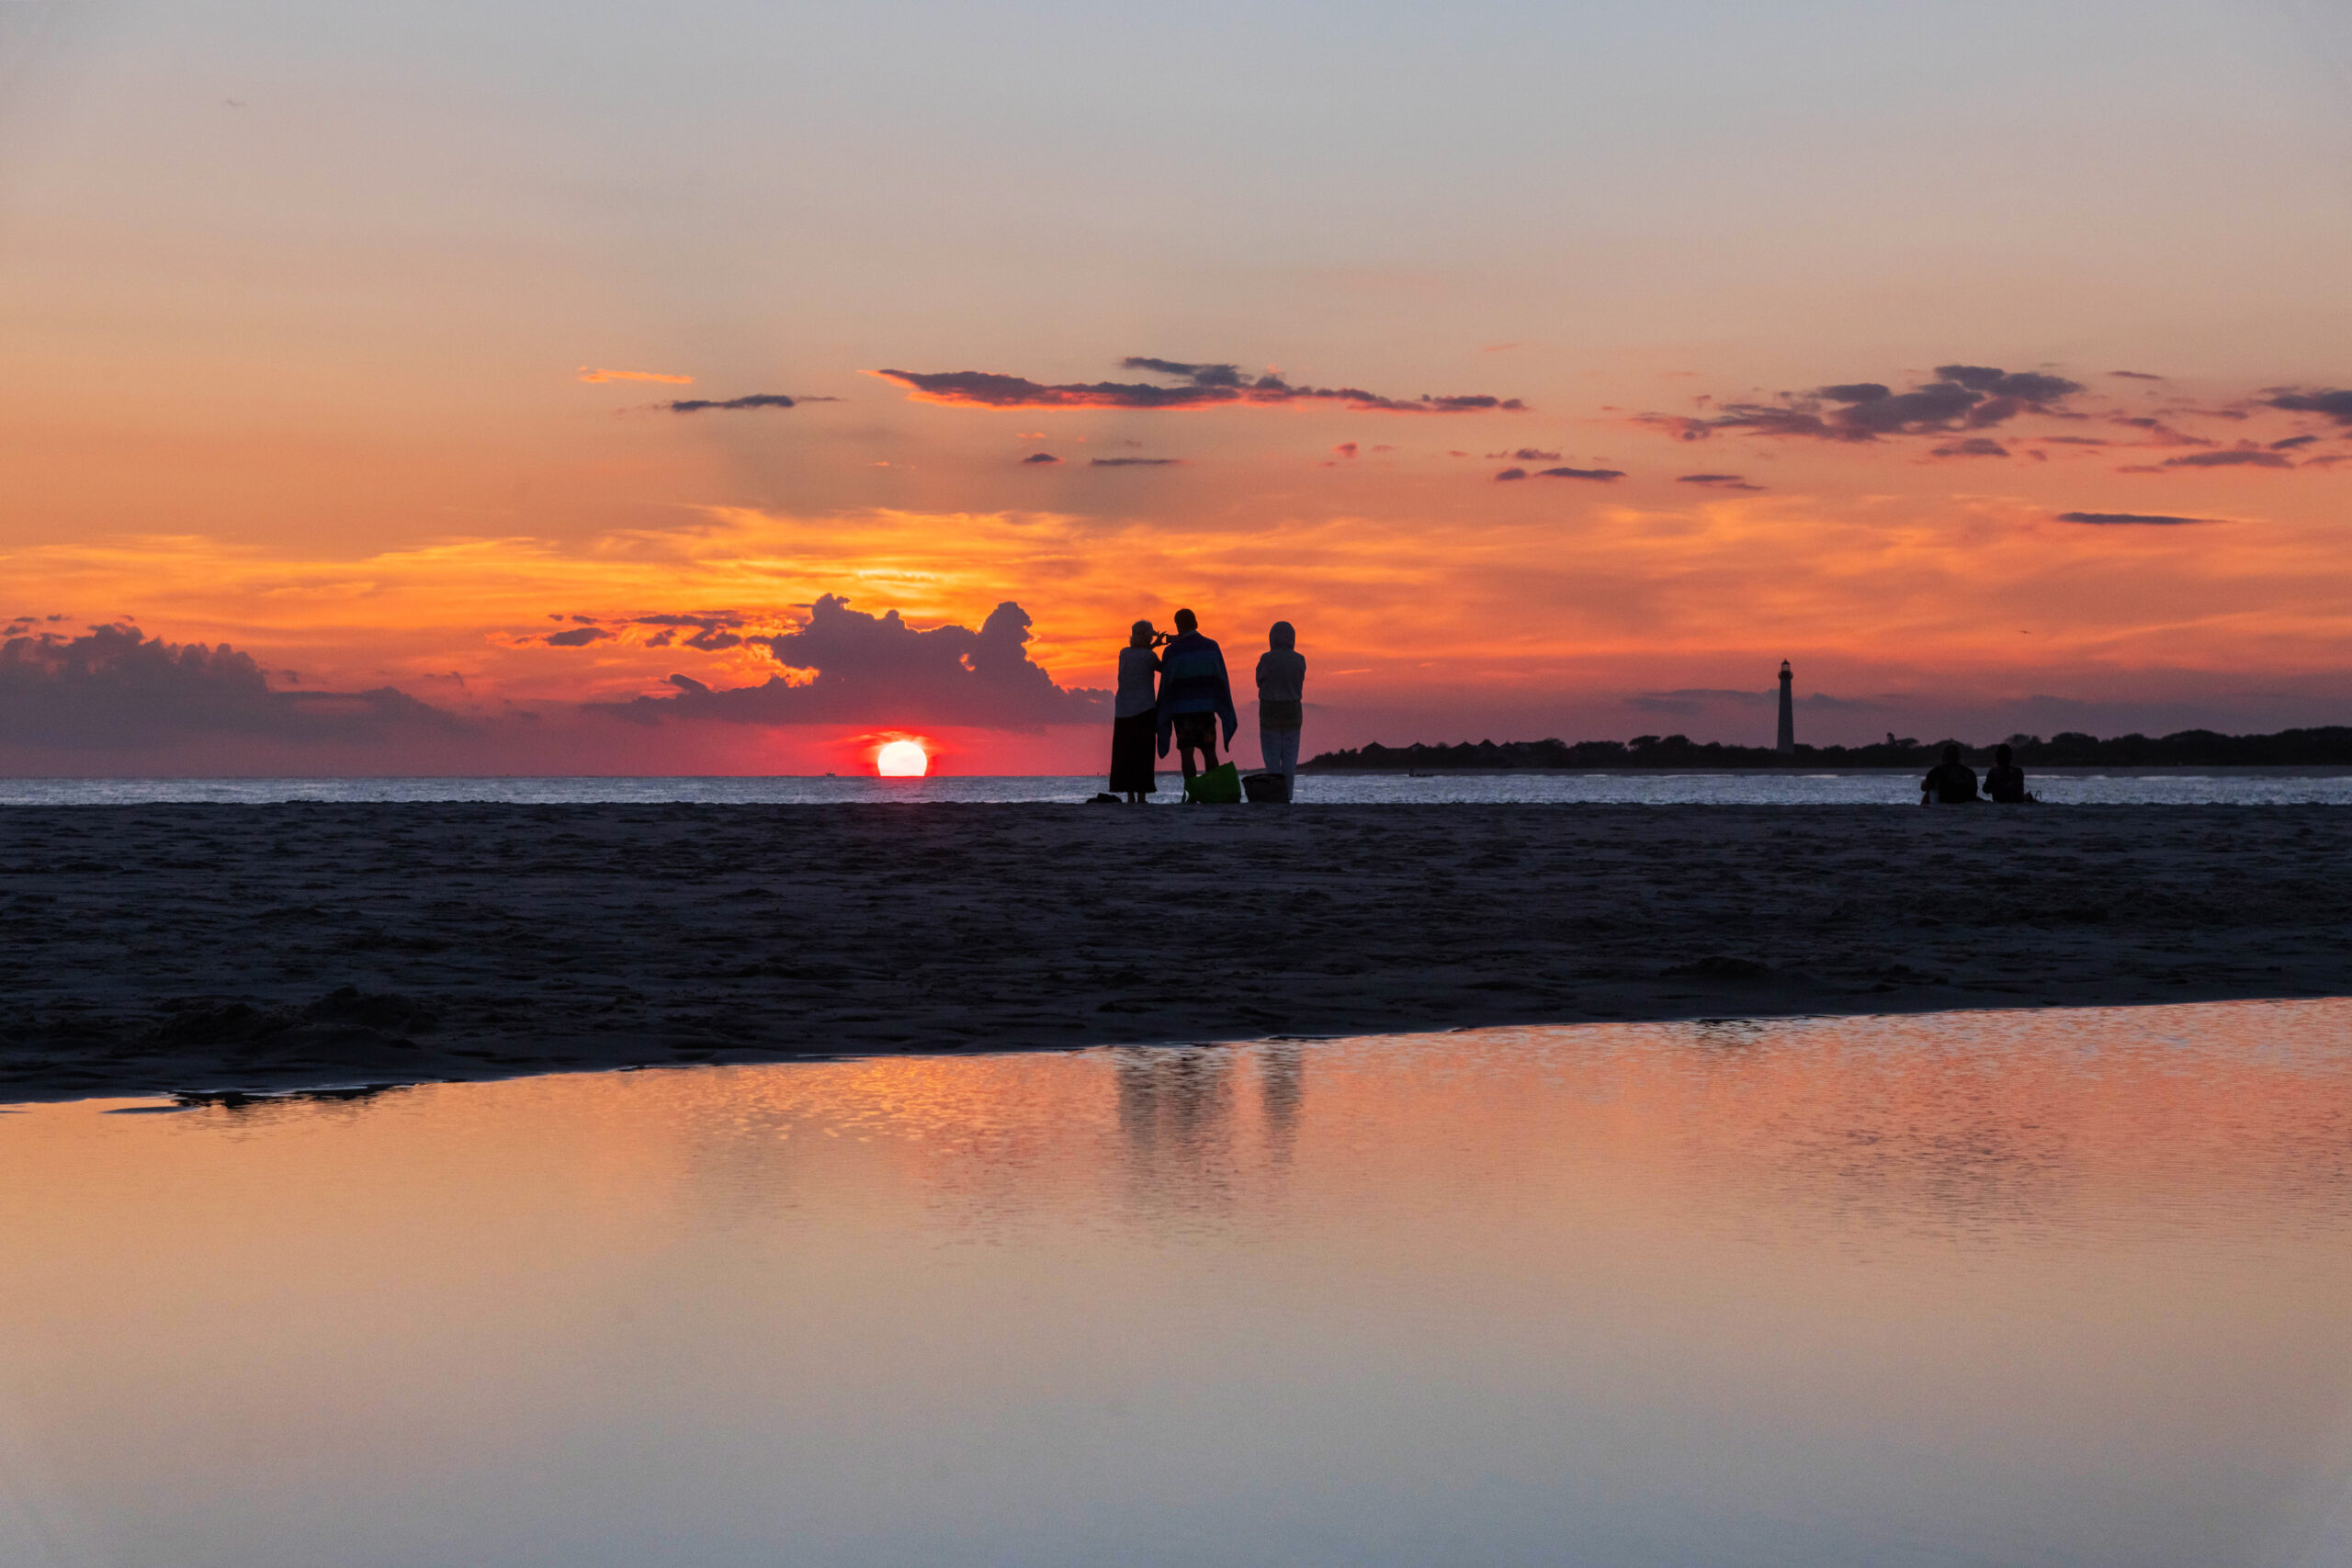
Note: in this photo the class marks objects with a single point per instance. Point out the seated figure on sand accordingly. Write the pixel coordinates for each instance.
(1950, 782)
(1194, 694)
(1135, 720)
(2005, 781)
(1282, 685)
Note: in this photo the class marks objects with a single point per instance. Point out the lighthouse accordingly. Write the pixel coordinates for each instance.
(1788, 742)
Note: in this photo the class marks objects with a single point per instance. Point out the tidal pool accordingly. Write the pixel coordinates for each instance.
(2065, 1288)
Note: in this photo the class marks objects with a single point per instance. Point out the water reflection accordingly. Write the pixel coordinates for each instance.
(2019, 1288)
(1282, 1092)
(1176, 1128)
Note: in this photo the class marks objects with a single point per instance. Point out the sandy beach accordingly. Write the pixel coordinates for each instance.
(190, 947)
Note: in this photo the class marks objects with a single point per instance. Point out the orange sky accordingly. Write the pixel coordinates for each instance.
(356, 350)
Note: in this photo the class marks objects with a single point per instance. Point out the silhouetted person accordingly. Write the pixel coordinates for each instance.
(1282, 683)
(1950, 782)
(1193, 695)
(2005, 781)
(1135, 717)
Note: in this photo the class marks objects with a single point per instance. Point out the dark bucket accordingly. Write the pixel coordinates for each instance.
(1266, 789)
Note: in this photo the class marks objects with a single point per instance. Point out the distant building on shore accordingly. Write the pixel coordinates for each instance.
(1788, 742)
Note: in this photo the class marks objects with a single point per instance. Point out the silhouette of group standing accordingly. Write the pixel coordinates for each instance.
(1175, 690)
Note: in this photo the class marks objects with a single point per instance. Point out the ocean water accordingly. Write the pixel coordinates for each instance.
(2062, 1288)
(2220, 786)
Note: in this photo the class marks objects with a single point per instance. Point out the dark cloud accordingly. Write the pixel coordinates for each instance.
(2336, 405)
(1938, 405)
(1581, 474)
(2159, 433)
(714, 630)
(878, 669)
(1962, 397)
(116, 687)
(2135, 375)
(579, 636)
(2030, 387)
(755, 400)
(2130, 519)
(1512, 474)
(2238, 457)
(2292, 441)
(1196, 385)
(1198, 375)
(1718, 481)
(1135, 462)
(1527, 454)
(1046, 457)
(1974, 446)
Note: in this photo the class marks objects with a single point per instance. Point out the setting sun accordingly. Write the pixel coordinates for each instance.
(902, 759)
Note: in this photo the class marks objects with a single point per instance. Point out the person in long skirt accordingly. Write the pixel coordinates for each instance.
(1135, 725)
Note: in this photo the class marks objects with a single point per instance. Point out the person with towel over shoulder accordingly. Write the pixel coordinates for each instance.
(1282, 685)
(1193, 695)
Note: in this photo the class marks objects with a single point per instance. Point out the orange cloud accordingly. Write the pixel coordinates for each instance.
(595, 376)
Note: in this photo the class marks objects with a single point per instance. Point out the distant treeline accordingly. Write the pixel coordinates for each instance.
(2190, 748)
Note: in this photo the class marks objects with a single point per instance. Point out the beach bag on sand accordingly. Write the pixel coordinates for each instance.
(1220, 785)
(1267, 789)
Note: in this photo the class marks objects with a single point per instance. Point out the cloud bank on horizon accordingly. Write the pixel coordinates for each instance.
(112, 690)
(115, 689)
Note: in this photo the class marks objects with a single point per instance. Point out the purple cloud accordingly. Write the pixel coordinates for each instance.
(1961, 396)
(2238, 457)
(2335, 404)
(879, 669)
(755, 400)
(1194, 387)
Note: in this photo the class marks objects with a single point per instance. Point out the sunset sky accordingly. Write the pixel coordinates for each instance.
(685, 388)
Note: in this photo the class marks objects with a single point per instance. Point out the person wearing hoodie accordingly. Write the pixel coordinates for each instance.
(1193, 695)
(1282, 684)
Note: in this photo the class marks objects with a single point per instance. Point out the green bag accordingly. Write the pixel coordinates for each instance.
(1221, 786)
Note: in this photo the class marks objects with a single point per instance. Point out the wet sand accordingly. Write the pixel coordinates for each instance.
(194, 947)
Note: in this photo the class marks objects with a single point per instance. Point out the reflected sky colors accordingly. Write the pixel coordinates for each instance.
(1521, 354)
(2050, 1288)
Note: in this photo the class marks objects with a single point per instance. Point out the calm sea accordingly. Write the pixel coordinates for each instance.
(2225, 786)
(2048, 1290)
